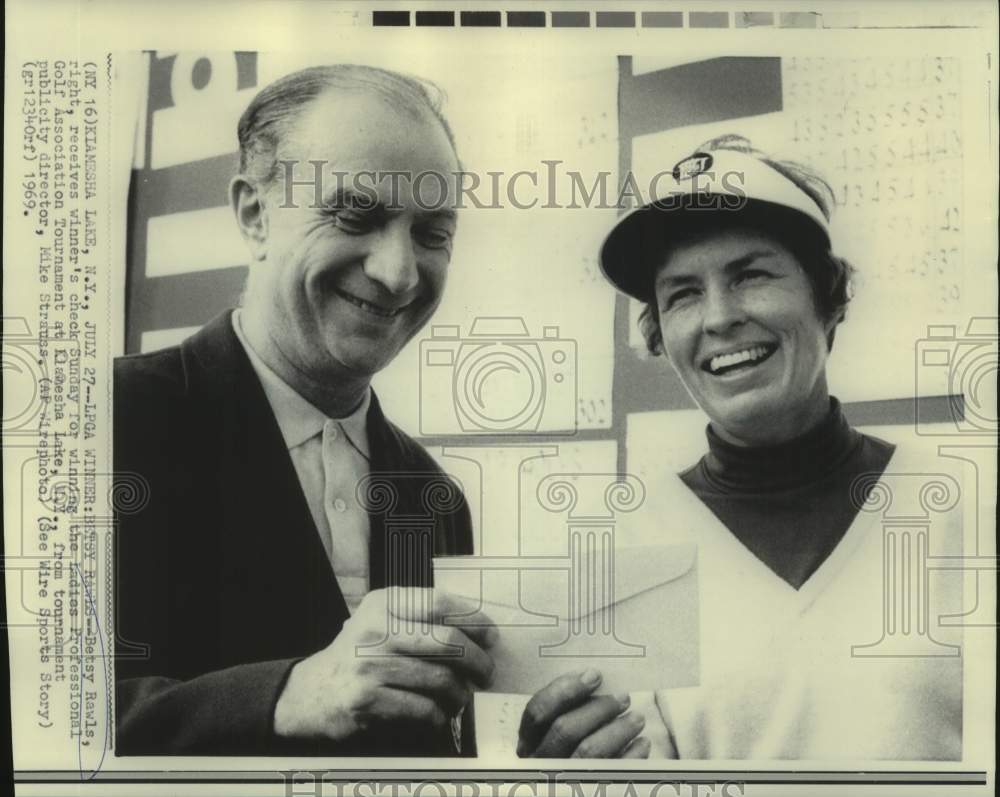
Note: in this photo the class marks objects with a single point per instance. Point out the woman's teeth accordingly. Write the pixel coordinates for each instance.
(753, 354)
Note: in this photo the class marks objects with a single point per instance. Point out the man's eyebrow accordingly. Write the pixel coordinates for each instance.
(446, 213)
(345, 197)
(671, 280)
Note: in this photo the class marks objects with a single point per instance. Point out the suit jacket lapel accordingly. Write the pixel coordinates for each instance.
(403, 534)
(381, 443)
(267, 524)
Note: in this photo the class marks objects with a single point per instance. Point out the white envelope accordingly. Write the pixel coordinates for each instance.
(633, 616)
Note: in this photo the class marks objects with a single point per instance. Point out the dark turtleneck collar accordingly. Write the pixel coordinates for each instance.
(795, 463)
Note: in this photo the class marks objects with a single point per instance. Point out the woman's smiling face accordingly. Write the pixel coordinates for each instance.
(741, 328)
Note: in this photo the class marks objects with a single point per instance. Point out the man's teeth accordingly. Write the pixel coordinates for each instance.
(371, 308)
(721, 361)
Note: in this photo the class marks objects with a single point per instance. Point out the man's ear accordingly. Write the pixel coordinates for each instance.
(247, 202)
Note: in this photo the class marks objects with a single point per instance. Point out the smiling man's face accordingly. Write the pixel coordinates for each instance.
(741, 329)
(344, 286)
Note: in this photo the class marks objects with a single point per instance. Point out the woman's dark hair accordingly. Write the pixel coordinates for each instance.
(829, 275)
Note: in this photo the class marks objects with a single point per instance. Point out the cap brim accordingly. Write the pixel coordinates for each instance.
(635, 247)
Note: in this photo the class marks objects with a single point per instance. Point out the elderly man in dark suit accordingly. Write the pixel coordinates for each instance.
(256, 590)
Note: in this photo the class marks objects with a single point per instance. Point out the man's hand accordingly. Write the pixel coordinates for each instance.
(393, 662)
(565, 720)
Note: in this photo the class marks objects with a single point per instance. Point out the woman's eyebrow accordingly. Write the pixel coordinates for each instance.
(671, 280)
(747, 259)
(677, 279)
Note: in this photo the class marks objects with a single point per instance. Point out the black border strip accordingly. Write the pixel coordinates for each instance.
(554, 777)
(480, 19)
(391, 19)
(435, 19)
(662, 19)
(525, 19)
(615, 19)
(715, 20)
(570, 19)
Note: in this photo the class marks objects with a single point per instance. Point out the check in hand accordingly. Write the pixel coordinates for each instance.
(566, 720)
(422, 672)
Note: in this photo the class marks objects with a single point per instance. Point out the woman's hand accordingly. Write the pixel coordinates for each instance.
(565, 720)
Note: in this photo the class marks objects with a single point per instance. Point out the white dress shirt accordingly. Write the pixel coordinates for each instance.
(330, 456)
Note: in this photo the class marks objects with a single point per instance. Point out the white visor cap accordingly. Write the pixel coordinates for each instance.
(720, 181)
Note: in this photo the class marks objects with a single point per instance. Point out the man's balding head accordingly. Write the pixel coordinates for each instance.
(349, 266)
(269, 121)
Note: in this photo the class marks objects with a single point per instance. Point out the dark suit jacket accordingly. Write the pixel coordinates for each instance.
(222, 583)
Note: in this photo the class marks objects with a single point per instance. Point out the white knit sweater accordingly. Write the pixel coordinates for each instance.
(779, 679)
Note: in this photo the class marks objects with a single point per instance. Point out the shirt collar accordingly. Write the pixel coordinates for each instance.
(784, 466)
(297, 419)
